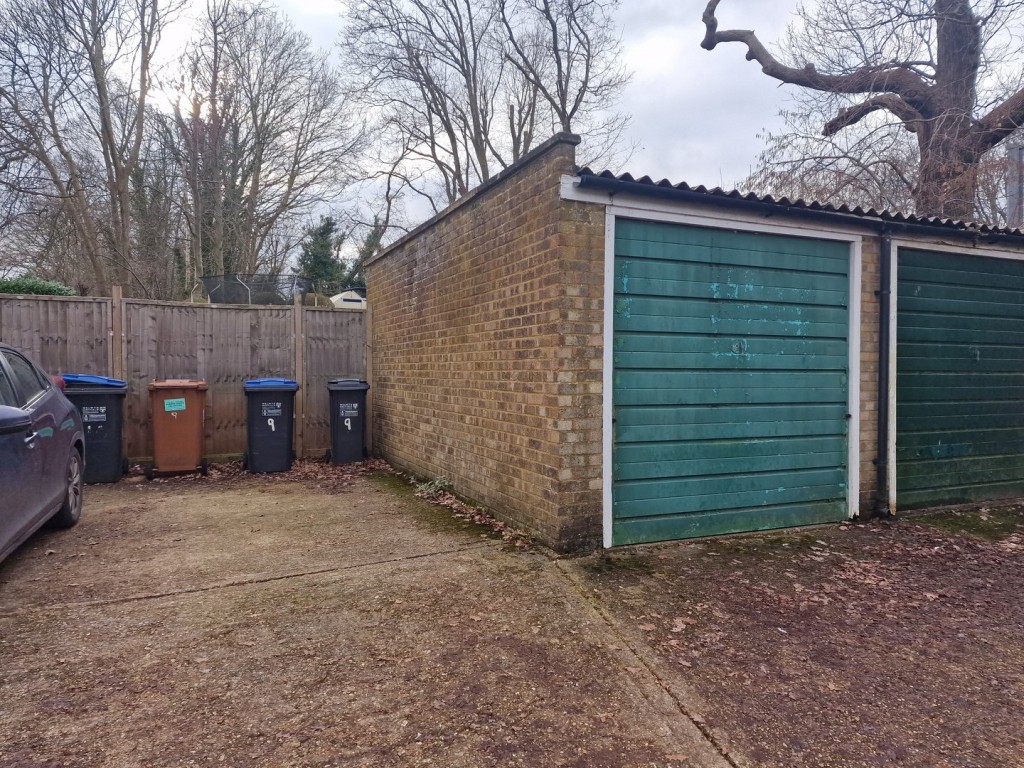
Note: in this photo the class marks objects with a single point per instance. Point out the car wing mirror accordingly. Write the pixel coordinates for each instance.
(14, 420)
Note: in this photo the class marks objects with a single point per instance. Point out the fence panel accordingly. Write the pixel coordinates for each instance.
(241, 345)
(223, 345)
(219, 343)
(63, 334)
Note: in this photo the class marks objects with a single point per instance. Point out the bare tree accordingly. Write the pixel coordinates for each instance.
(569, 52)
(44, 243)
(266, 136)
(943, 70)
(75, 77)
(433, 70)
(463, 87)
(873, 166)
(42, 240)
(203, 112)
(157, 191)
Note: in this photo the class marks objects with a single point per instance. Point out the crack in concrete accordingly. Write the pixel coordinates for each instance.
(234, 583)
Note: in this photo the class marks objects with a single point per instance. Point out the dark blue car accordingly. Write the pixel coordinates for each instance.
(42, 454)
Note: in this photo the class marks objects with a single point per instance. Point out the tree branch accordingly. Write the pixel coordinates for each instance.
(896, 80)
(887, 101)
(1003, 120)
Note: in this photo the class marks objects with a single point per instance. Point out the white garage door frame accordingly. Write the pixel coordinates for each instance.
(636, 207)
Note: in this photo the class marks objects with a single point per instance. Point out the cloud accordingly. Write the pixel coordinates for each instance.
(697, 114)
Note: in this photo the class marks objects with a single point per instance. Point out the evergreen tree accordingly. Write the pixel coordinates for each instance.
(319, 260)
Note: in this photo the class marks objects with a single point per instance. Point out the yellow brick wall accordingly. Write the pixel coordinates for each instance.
(487, 349)
(869, 325)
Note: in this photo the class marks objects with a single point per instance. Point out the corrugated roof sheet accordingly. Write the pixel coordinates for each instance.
(798, 203)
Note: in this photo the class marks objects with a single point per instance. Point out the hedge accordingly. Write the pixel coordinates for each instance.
(35, 286)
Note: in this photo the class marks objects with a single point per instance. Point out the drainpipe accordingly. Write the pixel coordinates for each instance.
(884, 305)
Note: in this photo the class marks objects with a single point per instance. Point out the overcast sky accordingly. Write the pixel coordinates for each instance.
(696, 114)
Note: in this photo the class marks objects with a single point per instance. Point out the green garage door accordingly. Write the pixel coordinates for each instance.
(959, 378)
(730, 395)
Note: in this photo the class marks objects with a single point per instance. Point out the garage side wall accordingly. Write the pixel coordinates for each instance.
(487, 347)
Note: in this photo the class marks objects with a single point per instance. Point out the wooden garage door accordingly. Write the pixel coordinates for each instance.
(959, 378)
(730, 390)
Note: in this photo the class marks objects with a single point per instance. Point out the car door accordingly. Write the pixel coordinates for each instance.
(20, 469)
(34, 389)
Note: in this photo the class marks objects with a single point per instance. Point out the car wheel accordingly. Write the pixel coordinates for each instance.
(71, 509)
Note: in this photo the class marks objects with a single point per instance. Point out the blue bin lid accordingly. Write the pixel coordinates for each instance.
(286, 385)
(88, 380)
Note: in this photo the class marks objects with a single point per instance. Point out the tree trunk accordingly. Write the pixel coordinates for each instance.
(948, 173)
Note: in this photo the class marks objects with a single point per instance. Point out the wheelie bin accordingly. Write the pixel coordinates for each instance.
(178, 425)
(100, 401)
(348, 419)
(270, 412)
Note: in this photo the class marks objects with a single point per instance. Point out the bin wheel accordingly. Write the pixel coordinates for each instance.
(204, 469)
(150, 473)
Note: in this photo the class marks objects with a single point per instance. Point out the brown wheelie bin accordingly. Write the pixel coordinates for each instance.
(178, 425)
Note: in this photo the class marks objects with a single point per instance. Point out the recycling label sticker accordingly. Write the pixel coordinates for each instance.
(94, 413)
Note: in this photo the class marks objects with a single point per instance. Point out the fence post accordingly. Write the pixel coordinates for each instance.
(118, 351)
(299, 316)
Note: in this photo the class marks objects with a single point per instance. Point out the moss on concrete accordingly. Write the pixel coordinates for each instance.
(434, 515)
(990, 523)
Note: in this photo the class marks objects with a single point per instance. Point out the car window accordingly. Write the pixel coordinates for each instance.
(29, 380)
(7, 396)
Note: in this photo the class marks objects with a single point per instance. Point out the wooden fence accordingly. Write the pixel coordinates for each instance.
(142, 341)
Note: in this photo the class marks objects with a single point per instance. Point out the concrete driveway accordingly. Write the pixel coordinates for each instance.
(273, 621)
